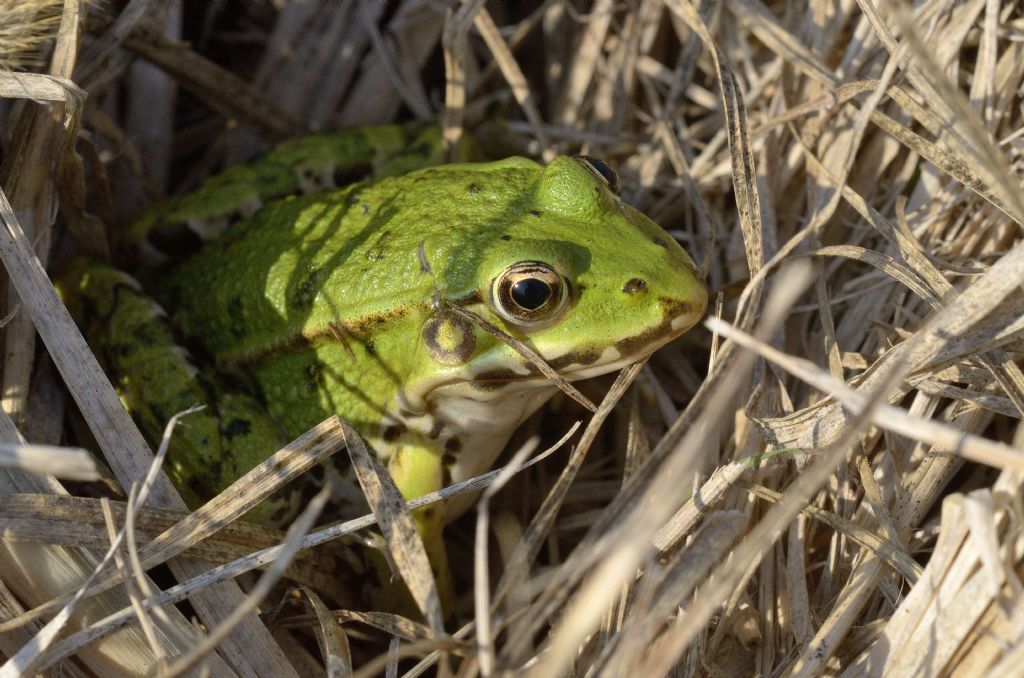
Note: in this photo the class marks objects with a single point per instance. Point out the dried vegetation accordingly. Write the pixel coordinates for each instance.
(847, 172)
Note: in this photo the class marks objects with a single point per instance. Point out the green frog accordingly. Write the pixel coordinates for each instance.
(314, 298)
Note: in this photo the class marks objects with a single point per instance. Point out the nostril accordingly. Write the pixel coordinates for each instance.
(634, 286)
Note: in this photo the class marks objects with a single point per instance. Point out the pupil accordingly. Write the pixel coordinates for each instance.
(530, 293)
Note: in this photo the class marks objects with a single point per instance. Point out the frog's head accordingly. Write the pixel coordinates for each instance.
(585, 280)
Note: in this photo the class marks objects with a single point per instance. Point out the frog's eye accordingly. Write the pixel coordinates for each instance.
(529, 292)
(601, 170)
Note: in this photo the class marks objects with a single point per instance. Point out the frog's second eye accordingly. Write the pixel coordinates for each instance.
(529, 292)
(601, 170)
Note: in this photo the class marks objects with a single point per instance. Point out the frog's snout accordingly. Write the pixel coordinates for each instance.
(682, 315)
(679, 300)
(684, 304)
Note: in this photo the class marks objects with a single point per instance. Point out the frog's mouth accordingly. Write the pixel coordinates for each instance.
(574, 365)
(587, 362)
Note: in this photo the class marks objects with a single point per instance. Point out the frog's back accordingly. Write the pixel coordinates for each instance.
(342, 261)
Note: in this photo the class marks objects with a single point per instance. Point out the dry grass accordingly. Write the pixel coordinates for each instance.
(847, 172)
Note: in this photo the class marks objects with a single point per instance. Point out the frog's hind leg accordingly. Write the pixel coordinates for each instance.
(174, 229)
(155, 378)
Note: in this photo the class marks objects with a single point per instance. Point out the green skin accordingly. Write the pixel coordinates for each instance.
(330, 303)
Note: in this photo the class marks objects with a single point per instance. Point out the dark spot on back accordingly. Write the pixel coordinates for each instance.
(314, 376)
(235, 311)
(304, 294)
(237, 427)
(506, 237)
(453, 445)
(535, 213)
(473, 188)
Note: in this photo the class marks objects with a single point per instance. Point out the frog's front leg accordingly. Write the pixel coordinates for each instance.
(417, 467)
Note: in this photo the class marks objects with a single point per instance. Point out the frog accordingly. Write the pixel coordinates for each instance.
(311, 295)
